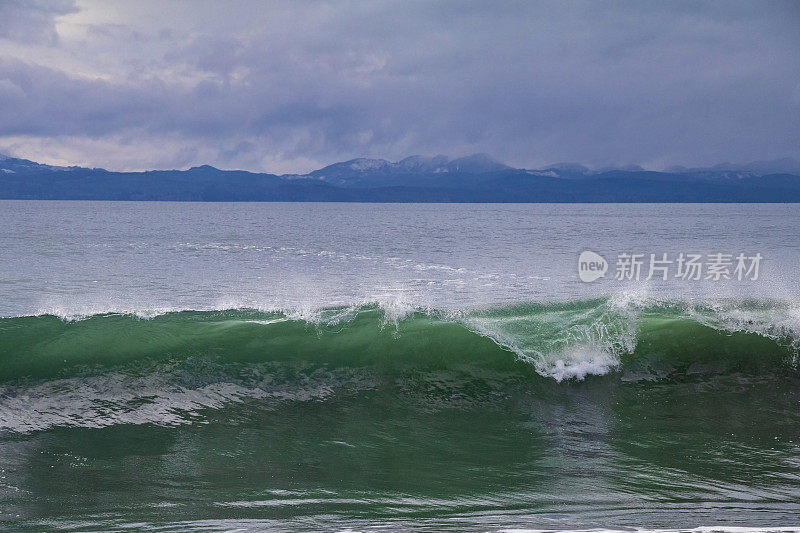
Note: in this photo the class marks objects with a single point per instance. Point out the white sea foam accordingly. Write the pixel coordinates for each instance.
(774, 320)
(77, 312)
(566, 344)
(159, 397)
(577, 362)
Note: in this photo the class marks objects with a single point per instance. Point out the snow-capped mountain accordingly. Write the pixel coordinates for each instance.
(365, 172)
(477, 178)
(11, 165)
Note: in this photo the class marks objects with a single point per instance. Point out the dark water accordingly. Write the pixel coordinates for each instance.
(333, 367)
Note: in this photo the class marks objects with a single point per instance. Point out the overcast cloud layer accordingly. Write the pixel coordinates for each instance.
(288, 87)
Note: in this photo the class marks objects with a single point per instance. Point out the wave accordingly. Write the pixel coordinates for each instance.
(169, 368)
(560, 340)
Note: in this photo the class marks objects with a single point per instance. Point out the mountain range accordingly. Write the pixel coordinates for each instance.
(475, 178)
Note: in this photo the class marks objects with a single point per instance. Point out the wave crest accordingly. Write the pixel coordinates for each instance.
(562, 340)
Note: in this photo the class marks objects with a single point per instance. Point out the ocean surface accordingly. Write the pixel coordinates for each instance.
(359, 367)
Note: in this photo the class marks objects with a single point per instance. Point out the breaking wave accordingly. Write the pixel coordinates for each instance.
(170, 367)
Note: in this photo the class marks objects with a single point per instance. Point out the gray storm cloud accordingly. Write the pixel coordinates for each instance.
(292, 86)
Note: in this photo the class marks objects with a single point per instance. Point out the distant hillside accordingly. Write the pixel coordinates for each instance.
(476, 178)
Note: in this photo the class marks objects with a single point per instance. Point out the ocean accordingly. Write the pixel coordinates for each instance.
(358, 367)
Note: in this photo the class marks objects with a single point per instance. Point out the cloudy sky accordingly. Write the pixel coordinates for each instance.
(292, 86)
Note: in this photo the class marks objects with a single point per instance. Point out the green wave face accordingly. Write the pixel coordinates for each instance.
(483, 418)
(562, 341)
